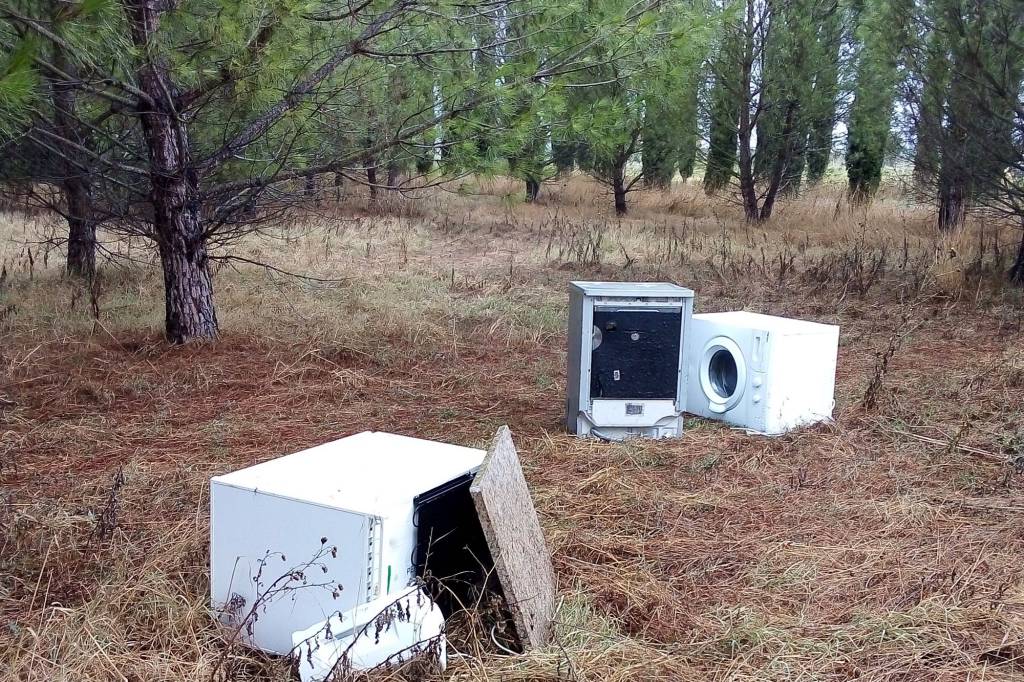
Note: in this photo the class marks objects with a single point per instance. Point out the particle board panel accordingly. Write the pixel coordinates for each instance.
(510, 524)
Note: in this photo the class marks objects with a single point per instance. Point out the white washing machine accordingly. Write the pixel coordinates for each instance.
(762, 373)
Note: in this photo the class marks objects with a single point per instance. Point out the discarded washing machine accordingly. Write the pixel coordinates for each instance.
(625, 365)
(762, 373)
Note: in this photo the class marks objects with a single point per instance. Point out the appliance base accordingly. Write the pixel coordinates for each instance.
(669, 427)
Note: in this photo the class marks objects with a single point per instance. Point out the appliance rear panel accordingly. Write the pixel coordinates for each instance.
(638, 357)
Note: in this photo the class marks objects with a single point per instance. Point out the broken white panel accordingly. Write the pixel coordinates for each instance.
(387, 631)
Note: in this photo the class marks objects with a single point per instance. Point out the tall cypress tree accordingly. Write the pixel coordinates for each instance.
(929, 114)
(883, 31)
(785, 100)
(722, 131)
(825, 93)
(658, 153)
(981, 108)
(563, 154)
(686, 155)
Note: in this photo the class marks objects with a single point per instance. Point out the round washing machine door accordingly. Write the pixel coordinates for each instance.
(723, 374)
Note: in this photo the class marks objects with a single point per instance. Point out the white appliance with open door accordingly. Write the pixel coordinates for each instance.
(298, 539)
(763, 373)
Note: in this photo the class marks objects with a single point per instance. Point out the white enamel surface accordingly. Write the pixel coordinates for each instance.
(356, 492)
(789, 370)
(645, 289)
(367, 472)
(608, 412)
(770, 323)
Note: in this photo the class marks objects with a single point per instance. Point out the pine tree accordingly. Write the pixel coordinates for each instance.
(627, 107)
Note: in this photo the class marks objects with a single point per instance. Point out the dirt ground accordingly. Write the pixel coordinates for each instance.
(885, 546)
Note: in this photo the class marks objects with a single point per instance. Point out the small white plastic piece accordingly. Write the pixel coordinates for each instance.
(391, 630)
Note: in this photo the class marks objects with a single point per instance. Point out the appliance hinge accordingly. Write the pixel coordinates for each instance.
(374, 544)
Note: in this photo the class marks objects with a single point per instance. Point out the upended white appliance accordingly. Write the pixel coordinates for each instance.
(625, 373)
(763, 373)
(296, 540)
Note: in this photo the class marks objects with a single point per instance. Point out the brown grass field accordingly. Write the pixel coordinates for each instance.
(886, 546)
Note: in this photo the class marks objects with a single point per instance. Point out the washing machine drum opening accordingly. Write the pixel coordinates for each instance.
(723, 373)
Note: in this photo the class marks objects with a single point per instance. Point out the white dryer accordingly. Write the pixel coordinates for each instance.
(763, 373)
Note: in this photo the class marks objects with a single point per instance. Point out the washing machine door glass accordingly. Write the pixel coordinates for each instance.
(723, 374)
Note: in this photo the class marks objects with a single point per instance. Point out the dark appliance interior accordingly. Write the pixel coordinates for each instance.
(452, 556)
(637, 356)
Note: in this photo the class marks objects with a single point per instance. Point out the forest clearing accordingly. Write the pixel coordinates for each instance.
(886, 545)
(476, 340)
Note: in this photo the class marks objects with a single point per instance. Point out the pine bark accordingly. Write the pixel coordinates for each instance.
(174, 192)
(532, 190)
(1016, 274)
(81, 229)
(74, 185)
(783, 162)
(748, 182)
(371, 180)
(394, 174)
(619, 188)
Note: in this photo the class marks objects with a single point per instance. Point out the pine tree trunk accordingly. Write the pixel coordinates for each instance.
(81, 236)
(793, 177)
(394, 174)
(1016, 274)
(339, 181)
(952, 203)
(782, 164)
(174, 193)
(189, 311)
(619, 188)
(748, 185)
(819, 150)
(532, 190)
(371, 180)
(74, 185)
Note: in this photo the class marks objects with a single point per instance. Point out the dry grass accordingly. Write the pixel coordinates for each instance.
(884, 547)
